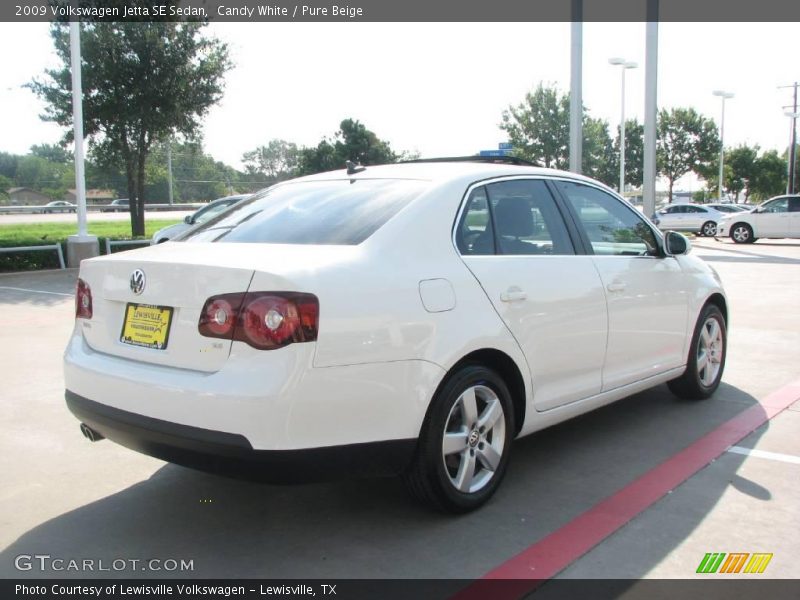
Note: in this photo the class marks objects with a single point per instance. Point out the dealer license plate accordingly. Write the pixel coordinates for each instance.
(146, 325)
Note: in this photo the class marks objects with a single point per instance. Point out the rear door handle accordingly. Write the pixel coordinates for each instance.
(513, 294)
(616, 286)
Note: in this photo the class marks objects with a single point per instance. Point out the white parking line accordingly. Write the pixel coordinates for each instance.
(788, 458)
(16, 289)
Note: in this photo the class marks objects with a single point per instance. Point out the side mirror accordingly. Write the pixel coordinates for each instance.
(187, 219)
(676, 244)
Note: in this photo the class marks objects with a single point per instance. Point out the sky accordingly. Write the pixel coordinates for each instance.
(440, 88)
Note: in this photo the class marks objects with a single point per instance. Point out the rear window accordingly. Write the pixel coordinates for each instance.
(342, 212)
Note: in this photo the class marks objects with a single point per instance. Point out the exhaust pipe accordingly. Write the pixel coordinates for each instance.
(90, 434)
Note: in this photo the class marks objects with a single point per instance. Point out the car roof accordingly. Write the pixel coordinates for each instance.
(442, 171)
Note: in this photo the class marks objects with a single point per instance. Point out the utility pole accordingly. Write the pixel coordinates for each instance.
(790, 187)
(650, 107)
(169, 169)
(575, 89)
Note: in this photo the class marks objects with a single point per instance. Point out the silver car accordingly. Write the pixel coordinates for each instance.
(696, 218)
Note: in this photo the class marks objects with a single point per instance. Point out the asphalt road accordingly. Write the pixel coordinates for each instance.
(67, 497)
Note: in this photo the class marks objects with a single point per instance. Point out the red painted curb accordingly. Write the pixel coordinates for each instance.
(556, 551)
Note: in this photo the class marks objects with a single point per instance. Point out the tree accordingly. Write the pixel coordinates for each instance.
(143, 82)
(538, 128)
(352, 142)
(634, 154)
(740, 169)
(687, 142)
(52, 152)
(770, 176)
(275, 161)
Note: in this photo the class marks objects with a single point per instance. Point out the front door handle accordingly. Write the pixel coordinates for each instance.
(513, 294)
(616, 286)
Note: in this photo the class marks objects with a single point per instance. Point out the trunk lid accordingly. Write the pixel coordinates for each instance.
(180, 277)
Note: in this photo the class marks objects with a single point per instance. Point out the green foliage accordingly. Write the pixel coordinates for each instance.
(634, 154)
(276, 161)
(51, 152)
(770, 176)
(352, 142)
(40, 234)
(686, 142)
(143, 82)
(538, 128)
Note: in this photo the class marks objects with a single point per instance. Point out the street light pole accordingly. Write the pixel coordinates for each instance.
(724, 96)
(625, 66)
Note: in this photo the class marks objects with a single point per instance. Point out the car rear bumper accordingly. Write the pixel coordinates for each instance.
(232, 454)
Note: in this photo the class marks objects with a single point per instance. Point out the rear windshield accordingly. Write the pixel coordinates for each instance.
(342, 212)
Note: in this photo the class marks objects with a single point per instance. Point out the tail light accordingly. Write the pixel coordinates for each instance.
(83, 300)
(264, 320)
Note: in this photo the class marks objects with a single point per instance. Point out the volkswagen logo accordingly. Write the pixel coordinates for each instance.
(137, 281)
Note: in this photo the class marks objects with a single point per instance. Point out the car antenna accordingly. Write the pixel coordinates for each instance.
(353, 168)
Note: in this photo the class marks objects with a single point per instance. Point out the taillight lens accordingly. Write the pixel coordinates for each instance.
(83, 300)
(264, 320)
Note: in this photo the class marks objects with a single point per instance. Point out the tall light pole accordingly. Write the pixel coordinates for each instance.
(724, 96)
(621, 62)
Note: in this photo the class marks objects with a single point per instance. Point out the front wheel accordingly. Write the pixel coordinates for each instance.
(709, 229)
(706, 357)
(742, 233)
(465, 442)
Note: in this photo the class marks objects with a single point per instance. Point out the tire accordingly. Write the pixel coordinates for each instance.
(742, 233)
(707, 355)
(459, 464)
(709, 229)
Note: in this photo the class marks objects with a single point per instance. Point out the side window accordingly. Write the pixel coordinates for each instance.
(526, 219)
(474, 235)
(777, 206)
(695, 209)
(794, 204)
(612, 228)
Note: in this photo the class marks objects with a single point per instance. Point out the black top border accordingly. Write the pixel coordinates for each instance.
(407, 11)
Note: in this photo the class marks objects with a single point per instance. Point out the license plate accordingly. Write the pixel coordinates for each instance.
(146, 325)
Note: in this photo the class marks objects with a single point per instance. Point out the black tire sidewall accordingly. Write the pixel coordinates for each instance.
(691, 368)
(466, 377)
(749, 230)
(703, 229)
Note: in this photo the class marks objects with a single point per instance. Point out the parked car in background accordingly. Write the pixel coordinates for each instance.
(119, 205)
(410, 318)
(727, 207)
(59, 206)
(778, 217)
(212, 209)
(696, 218)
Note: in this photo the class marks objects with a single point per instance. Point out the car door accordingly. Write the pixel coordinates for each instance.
(647, 293)
(696, 217)
(513, 237)
(794, 217)
(773, 219)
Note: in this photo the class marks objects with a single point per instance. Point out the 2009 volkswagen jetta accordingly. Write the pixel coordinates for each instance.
(411, 319)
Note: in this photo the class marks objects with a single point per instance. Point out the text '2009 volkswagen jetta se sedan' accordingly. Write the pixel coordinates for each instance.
(411, 319)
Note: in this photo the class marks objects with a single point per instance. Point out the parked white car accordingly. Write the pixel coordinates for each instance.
(778, 217)
(696, 218)
(200, 216)
(411, 319)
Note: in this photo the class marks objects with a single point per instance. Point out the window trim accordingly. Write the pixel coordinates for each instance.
(582, 230)
(578, 245)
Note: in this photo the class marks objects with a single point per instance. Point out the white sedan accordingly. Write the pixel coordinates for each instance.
(778, 217)
(688, 217)
(410, 319)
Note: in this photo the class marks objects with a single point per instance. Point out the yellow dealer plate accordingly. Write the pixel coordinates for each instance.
(146, 325)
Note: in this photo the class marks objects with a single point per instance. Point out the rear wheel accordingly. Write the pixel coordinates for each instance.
(706, 357)
(465, 442)
(742, 233)
(709, 229)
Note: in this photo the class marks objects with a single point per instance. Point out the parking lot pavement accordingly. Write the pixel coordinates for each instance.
(69, 498)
